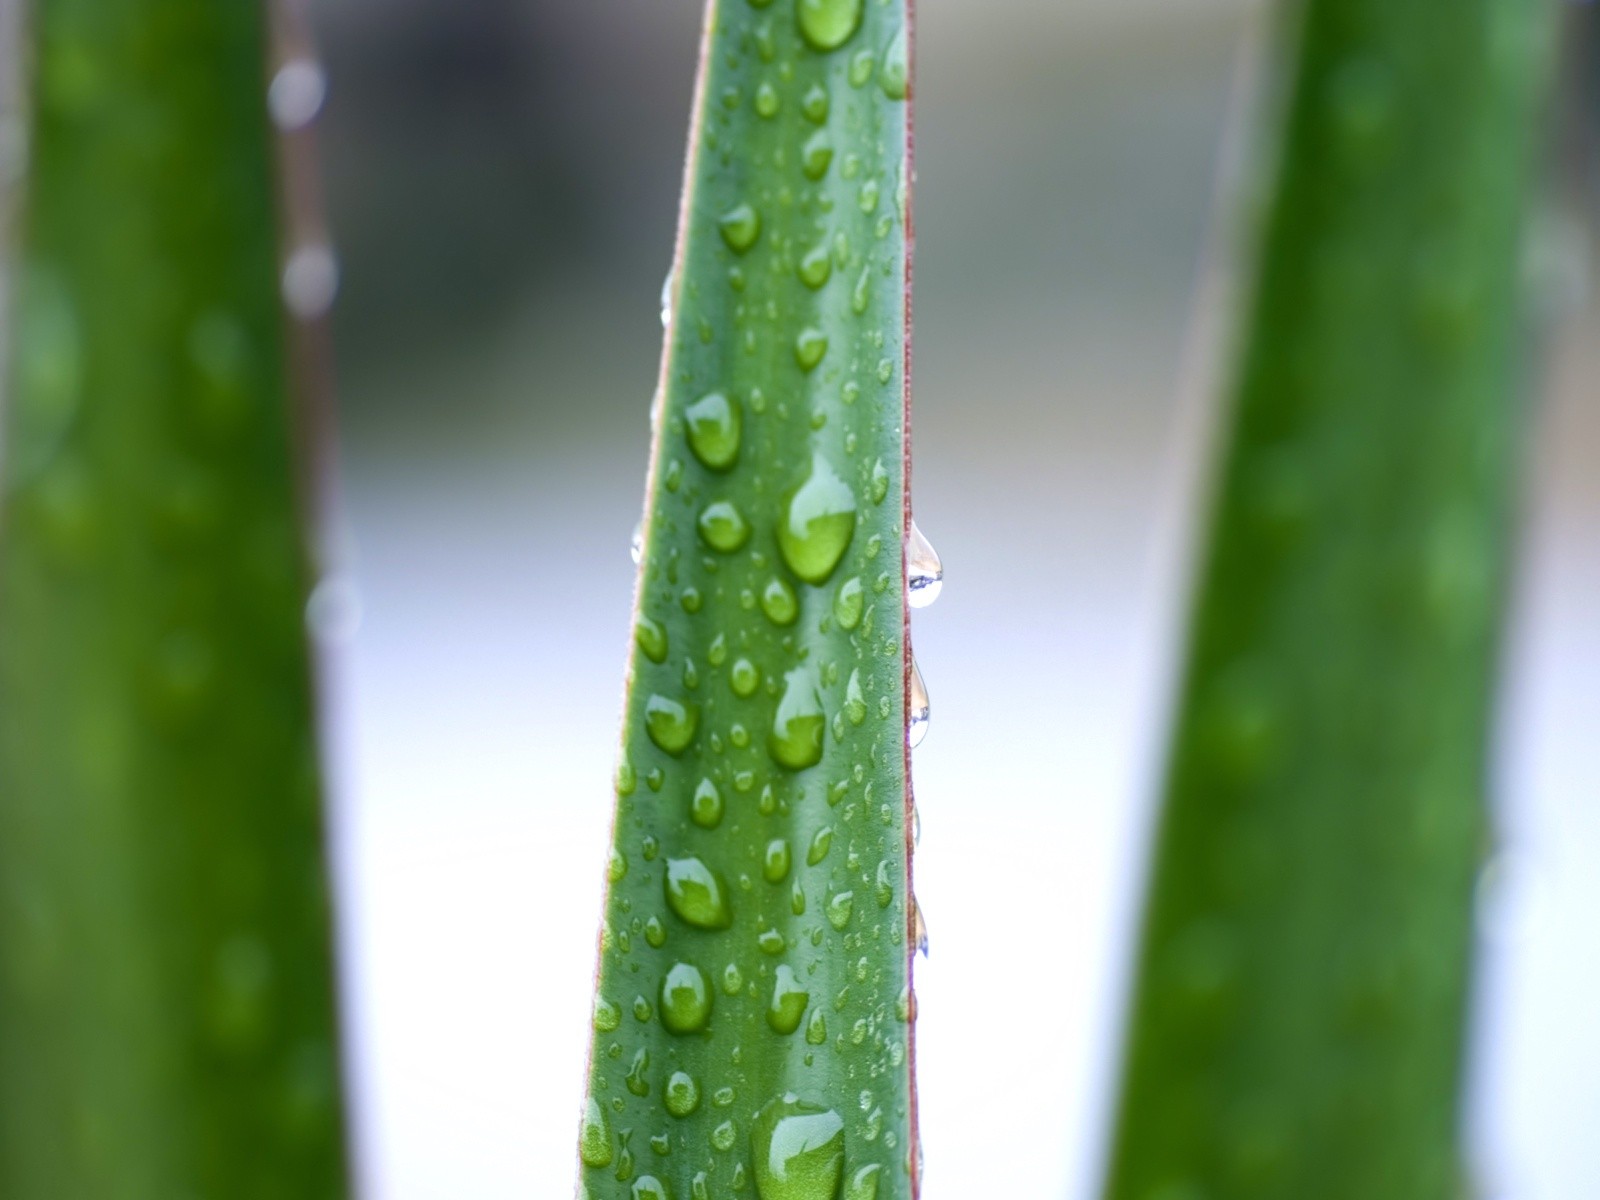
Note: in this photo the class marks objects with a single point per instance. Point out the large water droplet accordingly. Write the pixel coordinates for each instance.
(740, 226)
(849, 603)
(715, 423)
(797, 1149)
(775, 863)
(924, 571)
(681, 1095)
(652, 638)
(818, 523)
(917, 727)
(895, 75)
(797, 727)
(789, 1000)
(723, 527)
(697, 894)
(809, 347)
(828, 24)
(594, 1137)
(685, 999)
(670, 723)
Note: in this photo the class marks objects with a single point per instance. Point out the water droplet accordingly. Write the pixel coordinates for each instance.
(714, 424)
(789, 1000)
(863, 1184)
(648, 1187)
(685, 999)
(310, 280)
(770, 941)
(636, 1079)
(883, 884)
(816, 267)
(818, 523)
(797, 1150)
(855, 704)
(594, 1136)
(652, 638)
(839, 910)
(655, 932)
(666, 298)
(827, 25)
(723, 527)
(296, 93)
(779, 602)
(797, 727)
(920, 711)
(919, 928)
(816, 155)
(821, 843)
(642, 1012)
(636, 543)
(740, 227)
(775, 862)
(809, 347)
(670, 723)
(681, 1095)
(607, 1016)
(905, 1005)
(766, 100)
(895, 76)
(924, 571)
(814, 104)
(705, 810)
(744, 677)
(722, 1137)
(848, 603)
(697, 894)
(817, 1028)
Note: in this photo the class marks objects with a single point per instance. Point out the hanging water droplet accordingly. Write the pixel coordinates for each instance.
(828, 24)
(818, 523)
(797, 1150)
(917, 729)
(685, 999)
(697, 894)
(797, 727)
(296, 93)
(789, 1000)
(310, 281)
(919, 928)
(924, 571)
(715, 423)
(636, 543)
(666, 298)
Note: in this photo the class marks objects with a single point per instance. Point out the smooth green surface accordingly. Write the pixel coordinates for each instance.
(1298, 1019)
(166, 1011)
(752, 1027)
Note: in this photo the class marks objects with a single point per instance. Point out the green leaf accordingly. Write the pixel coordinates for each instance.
(166, 1001)
(752, 1027)
(1298, 1017)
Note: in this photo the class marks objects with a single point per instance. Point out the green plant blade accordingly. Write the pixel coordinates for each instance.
(1298, 1017)
(753, 1016)
(166, 996)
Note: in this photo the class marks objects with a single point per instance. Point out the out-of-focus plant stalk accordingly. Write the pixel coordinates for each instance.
(1297, 1025)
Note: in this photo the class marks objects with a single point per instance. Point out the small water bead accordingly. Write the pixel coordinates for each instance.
(839, 909)
(861, 65)
(681, 1094)
(809, 347)
(775, 861)
(817, 1028)
(797, 1150)
(666, 298)
(594, 1135)
(883, 884)
(816, 156)
(642, 1011)
(690, 599)
(766, 101)
(723, 527)
(797, 899)
(717, 652)
(723, 1136)
(652, 638)
(705, 810)
(740, 226)
(924, 571)
(855, 704)
(617, 866)
(653, 781)
(816, 267)
(770, 941)
(636, 1080)
(744, 677)
(920, 711)
(879, 486)
(789, 1000)
(821, 843)
(814, 104)
(670, 723)
(636, 543)
(648, 1187)
(607, 1016)
(732, 979)
(895, 76)
(818, 522)
(863, 1184)
(661, 1144)
(685, 999)
(697, 894)
(828, 24)
(848, 603)
(861, 294)
(655, 932)
(779, 602)
(799, 723)
(714, 425)
(919, 927)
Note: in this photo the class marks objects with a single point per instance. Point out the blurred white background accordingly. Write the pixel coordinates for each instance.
(504, 183)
